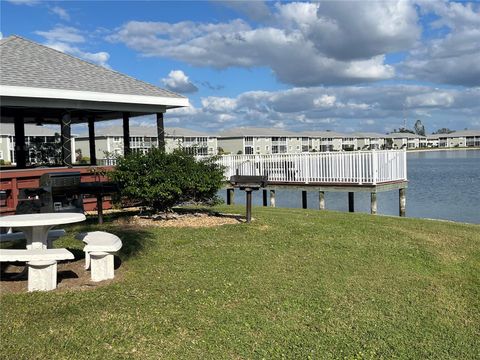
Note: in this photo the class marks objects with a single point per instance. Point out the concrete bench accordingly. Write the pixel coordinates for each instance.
(16, 236)
(99, 253)
(42, 265)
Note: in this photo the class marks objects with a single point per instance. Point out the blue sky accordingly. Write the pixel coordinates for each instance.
(343, 66)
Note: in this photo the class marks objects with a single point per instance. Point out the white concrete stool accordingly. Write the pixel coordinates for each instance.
(42, 265)
(99, 253)
(42, 275)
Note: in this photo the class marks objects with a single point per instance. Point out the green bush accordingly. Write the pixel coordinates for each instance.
(162, 180)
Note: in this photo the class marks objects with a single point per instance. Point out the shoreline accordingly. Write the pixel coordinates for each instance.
(443, 149)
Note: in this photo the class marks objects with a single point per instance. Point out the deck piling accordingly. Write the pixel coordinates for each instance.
(230, 197)
(402, 202)
(265, 202)
(304, 199)
(321, 198)
(351, 200)
(272, 198)
(373, 203)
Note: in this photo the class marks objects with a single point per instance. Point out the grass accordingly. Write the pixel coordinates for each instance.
(294, 284)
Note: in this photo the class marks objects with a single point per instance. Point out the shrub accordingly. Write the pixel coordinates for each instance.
(162, 180)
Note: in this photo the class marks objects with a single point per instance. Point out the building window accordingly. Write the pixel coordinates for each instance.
(116, 139)
(248, 150)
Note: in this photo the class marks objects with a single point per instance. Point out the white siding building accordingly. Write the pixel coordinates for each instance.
(261, 141)
(465, 138)
(109, 141)
(33, 133)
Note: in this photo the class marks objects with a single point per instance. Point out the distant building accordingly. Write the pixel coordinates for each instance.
(33, 133)
(465, 138)
(261, 141)
(109, 141)
(405, 141)
(432, 140)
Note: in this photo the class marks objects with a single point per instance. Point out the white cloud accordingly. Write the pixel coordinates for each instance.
(177, 81)
(61, 33)
(305, 44)
(100, 58)
(61, 12)
(451, 59)
(66, 39)
(24, 2)
(378, 108)
(434, 99)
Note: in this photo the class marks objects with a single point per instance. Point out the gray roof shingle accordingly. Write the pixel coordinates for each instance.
(25, 63)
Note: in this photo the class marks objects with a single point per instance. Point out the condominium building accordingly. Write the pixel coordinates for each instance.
(261, 141)
(326, 141)
(465, 138)
(36, 137)
(405, 141)
(109, 141)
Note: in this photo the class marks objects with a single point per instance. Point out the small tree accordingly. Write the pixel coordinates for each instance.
(162, 180)
(419, 128)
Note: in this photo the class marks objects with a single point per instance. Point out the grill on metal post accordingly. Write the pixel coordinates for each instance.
(248, 184)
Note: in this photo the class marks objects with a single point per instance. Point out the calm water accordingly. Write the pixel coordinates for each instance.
(442, 185)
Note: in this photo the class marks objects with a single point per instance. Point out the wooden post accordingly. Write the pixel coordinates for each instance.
(126, 133)
(321, 198)
(160, 132)
(272, 198)
(402, 202)
(20, 150)
(373, 203)
(66, 138)
(304, 199)
(351, 202)
(248, 194)
(265, 202)
(91, 140)
(230, 197)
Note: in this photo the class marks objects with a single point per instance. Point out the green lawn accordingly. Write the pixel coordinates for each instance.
(294, 284)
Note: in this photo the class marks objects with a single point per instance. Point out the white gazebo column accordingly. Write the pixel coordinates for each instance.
(160, 132)
(126, 133)
(66, 138)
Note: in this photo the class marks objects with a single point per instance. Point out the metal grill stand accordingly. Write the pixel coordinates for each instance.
(248, 184)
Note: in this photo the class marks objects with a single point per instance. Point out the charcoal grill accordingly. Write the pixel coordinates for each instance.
(58, 192)
(62, 192)
(248, 183)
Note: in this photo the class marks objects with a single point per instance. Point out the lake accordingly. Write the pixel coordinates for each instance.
(442, 185)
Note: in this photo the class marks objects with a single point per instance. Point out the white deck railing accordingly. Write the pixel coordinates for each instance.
(356, 167)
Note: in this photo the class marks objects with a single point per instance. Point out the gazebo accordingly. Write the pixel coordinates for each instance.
(45, 86)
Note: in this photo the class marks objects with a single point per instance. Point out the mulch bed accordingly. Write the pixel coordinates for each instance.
(186, 219)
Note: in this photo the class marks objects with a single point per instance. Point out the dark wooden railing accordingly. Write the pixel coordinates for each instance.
(11, 181)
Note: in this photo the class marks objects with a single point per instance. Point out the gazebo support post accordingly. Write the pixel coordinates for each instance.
(126, 133)
(160, 132)
(66, 140)
(20, 151)
(91, 140)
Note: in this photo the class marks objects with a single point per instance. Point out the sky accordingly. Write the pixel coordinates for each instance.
(327, 65)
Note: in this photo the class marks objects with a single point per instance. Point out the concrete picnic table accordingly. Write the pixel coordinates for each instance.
(36, 226)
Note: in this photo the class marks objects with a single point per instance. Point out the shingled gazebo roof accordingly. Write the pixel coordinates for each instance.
(42, 79)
